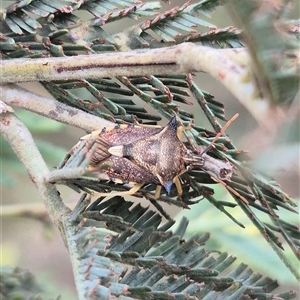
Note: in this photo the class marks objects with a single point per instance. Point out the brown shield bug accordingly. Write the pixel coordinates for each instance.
(149, 155)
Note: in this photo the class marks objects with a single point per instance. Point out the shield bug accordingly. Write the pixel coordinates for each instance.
(148, 155)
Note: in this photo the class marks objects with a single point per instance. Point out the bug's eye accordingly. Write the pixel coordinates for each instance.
(188, 168)
(224, 172)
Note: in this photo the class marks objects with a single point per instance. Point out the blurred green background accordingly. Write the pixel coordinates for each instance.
(34, 245)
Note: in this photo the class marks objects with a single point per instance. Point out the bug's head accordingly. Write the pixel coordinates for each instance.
(223, 170)
(226, 172)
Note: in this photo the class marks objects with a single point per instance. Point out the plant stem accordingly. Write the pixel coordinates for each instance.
(15, 95)
(21, 141)
(180, 59)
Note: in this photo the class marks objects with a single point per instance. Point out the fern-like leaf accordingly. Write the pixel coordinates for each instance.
(137, 257)
(273, 57)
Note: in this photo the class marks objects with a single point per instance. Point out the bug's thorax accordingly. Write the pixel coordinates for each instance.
(161, 154)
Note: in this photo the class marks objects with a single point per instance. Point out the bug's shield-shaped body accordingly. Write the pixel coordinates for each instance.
(122, 170)
(147, 155)
(161, 154)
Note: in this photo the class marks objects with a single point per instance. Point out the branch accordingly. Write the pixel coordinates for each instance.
(180, 59)
(20, 139)
(239, 56)
(15, 95)
(28, 210)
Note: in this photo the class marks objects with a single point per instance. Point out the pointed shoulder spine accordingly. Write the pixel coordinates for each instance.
(173, 124)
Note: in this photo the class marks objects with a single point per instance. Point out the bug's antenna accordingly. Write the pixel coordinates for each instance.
(220, 133)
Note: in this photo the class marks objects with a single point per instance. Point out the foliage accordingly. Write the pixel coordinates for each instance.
(273, 57)
(10, 165)
(125, 251)
(160, 263)
(18, 284)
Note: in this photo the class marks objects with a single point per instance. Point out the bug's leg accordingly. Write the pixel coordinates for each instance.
(159, 187)
(178, 186)
(179, 132)
(156, 194)
(131, 192)
(181, 128)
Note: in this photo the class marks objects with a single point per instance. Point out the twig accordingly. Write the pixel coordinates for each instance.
(238, 55)
(28, 210)
(15, 95)
(180, 59)
(20, 139)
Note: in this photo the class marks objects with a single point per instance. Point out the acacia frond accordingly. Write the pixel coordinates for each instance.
(276, 58)
(99, 255)
(247, 185)
(59, 14)
(16, 282)
(120, 249)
